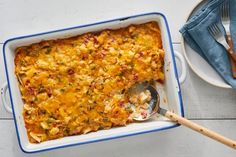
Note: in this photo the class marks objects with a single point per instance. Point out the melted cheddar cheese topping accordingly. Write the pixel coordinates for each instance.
(78, 85)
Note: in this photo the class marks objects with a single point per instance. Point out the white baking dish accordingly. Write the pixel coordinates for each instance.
(171, 85)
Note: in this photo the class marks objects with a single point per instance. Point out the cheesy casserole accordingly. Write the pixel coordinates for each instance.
(79, 84)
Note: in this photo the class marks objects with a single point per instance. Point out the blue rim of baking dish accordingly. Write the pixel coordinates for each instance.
(108, 138)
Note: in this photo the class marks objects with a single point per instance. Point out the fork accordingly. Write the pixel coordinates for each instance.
(225, 19)
(220, 38)
(218, 35)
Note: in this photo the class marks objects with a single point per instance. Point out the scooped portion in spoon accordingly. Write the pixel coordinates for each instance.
(144, 101)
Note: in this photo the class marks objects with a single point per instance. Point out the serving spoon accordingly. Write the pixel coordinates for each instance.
(154, 107)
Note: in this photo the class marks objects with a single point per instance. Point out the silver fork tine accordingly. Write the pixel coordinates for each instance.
(211, 30)
(225, 10)
(216, 29)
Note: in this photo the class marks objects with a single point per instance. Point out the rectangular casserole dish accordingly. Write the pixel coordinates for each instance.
(171, 85)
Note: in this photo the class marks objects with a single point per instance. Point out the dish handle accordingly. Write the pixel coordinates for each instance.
(6, 105)
(183, 67)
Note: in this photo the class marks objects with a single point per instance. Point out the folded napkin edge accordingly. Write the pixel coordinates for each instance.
(201, 15)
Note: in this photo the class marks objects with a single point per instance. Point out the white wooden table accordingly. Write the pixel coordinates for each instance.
(211, 106)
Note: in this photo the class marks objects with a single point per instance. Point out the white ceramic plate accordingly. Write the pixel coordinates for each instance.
(198, 64)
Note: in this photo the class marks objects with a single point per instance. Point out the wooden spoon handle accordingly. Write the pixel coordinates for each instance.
(232, 55)
(207, 132)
